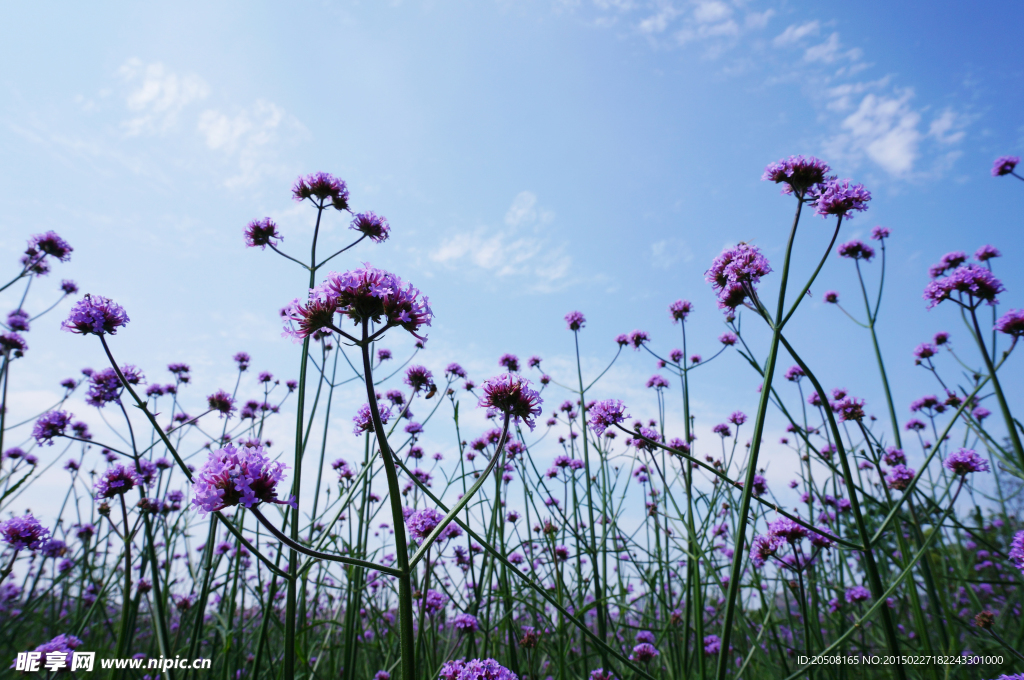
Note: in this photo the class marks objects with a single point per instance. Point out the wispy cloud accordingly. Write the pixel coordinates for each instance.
(157, 96)
(250, 137)
(668, 252)
(796, 32)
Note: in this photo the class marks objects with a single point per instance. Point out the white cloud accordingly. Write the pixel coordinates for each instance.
(659, 21)
(825, 52)
(711, 12)
(159, 96)
(795, 33)
(250, 137)
(666, 253)
(945, 128)
(885, 129)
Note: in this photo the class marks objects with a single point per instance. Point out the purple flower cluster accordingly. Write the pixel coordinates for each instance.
(511, 394)
(49, 244)
(680, 309)
(323, 186)
(1017, 551)
(371, 225)
(762, 548)
(606, 413)
(575, 320)
(798, 173)
(475, 669)
(856, 250)
(422, 522)
(23, 532)
(839, 197)
(237, 476)
(466, 623)
(364, 420)
(976, 282)
(262, 233)
(1011, 323)
(117, 480)
(1004, 165)
(900, 477)
(97, 315)
(51, 425)
(965, 461)
(735, 272)
(657, 382)
(644, 652)
(418, 378)
(13, 343)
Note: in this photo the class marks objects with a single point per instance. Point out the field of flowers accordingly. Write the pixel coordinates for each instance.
(642, 552)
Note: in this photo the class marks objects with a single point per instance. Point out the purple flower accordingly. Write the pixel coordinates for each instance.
(606, 413)
(644, 652)
(510, 362)
(575, 320)
(728, 339)
(262, 233)
(24, 532)
(964, 461)
(925, 351)
(323, 186)
(986, 253)
(512, 395)
(900, 477)
(658, 382)
(1012, 323)
(949, 261)
(735, 272)
(794, 374)
(1017, 551)
(51, 425)
(680, 309)
(422, 522)
(433, 602)
(1004, 165)
(831, 297)
(465, 623)
(787, 529)
(976, 282)
(856, 250)
(371, 225)
(14, 343)
(242, 476)
(894, 456)
(722, 430)
(980, 413)
(839, 197)
(879, 233)
(712, 644)
(104, 388)
(49, 244)
(475, 669)
(848, 408)
(455, 371)
(857, 594)
(221, 401)
(364, 421)
(738, 418)
(645, 636)
(638, 339)
(59, 648)
(69, 287)
(95, 314)
(117, 480)
(797, 172)
(18, 320)
(762, 548)
(382, 675)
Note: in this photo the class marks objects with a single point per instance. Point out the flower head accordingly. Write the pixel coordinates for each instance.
(13, 343)
(680, 309)
(364, 420)
(606, 413)
(899, 477)
(1011, 323)
(831, 297)
(51, 425)
(880, 233)
(69, 287)
(787, 530)
(575, 320)
(374, 294)
(644, 652)
(948, 262)
(839, 197)
(466, 623)
(475, 669)
(1016, 553)
(856, 250)
(117, 480)
(59, 648)
(23, 532)
(372, 225)
(735, 272)
(657, 382)
(964, 461)
(857, 594)
(977, 283)
(511, 394)
(18, 320)
(237, 476)
(848, 408)
(323, 186)
(797, 172)
(221, 401)
(49, 244)
(728, 339)
(418, 378)
(712, 644)
(986, 253)
(262, 233)
(97, 315)
(422, 522)
(1004, 165)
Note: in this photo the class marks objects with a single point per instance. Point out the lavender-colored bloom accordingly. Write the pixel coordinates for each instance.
(418, 378)
(323, 186)
(49, 244)
(1011, 323)
(222, 402)
(51, 425)
(59, 648)
(511, 394)
(644, 652)
(237, 476)
(475, 669)
(104, 388)
(422, 522)
(1004, 165)
(728, 339)
(735, 272)
(533, 362)
(638, 339)
(433, 602)
(600, 674)
(737, 418)
(831, 297)
(762, 548)
(794, 374)
(465, 623)
(13, 343)
(925, 351)
(722, 430)
(97, 315)
(18, 320)
(856, 250)
(69, 287)
(455, 371)
(645, 636)
(54, 548)
(822, 538)
(510, 362)
(849, 408)
(680, 309)
(24, 532)
(976, 282)
(606, 413)
(382, 675)
(712, 644)
(1016, 553)
(797, 172)
(262, 233)
(964, 461)
(364, 421)
(894, 456)
(658, 382)
(242, 359)
(857, 594)
(575, 320)
(900, 477)
(839, 197)
(787, 529)
(948, 262)
(879, 233)
(117, 480)
(372, 225)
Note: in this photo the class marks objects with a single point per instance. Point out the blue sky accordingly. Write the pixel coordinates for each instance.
(532, 157)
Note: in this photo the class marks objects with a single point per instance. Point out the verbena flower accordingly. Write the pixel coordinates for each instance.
(372, 225)
(735, 272)
(422, 522)
(644, 652)
(475, 669)
(575, 320)
(51, 425)
(69, 287)
(794, 374)
(658, 382)
(722, 430)
(18, 320)
(1017, 551)
(465, 623)
(1011, 323)
(879, 233)
(900, 477)
(510, 362)
(222, 402)
(49, 244)
(787, 529)
(986, 253)
(364, 420)
(59, 648)
(857, 594)
(262, 233)
(237, 476)
(24, 532)
(976, 283)
(798, 173)
(964, 461)
(511, 394)
(97, 315)
(831, 297)
(418, 378)
(680, 309)
(849, 408)
(13, 343)
(116, 480)
(839, 197)
(606, 413)
(948, 262)
(728, 339)
(925, 351)
(323, 186)
(856, 250)
(1004, 165)
(638, 339)
(894, 456)
(762, 548)
(712, 644)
